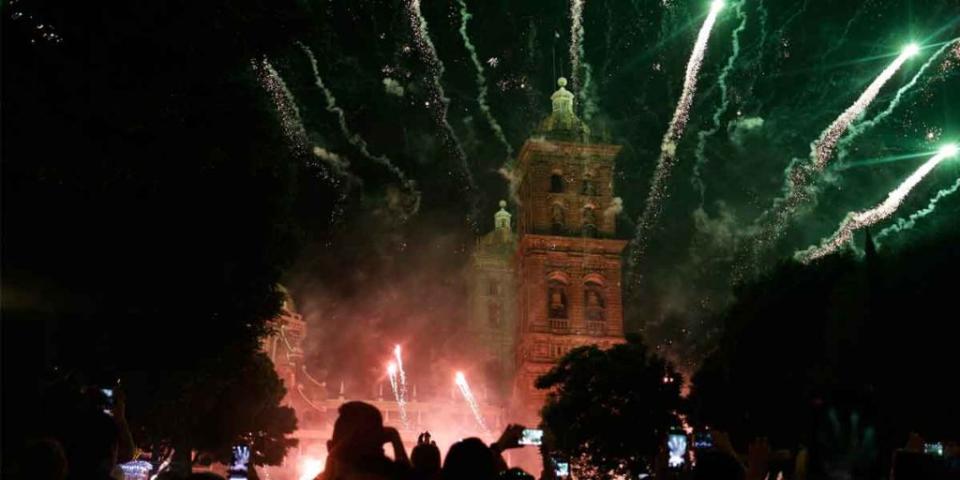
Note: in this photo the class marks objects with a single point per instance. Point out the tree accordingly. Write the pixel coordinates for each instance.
(838, 356)
(148, 214)
(609, 410)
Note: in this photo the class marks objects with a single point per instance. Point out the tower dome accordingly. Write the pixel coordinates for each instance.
(563, 123)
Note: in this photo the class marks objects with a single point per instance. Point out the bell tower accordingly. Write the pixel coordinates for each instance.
(568, 262)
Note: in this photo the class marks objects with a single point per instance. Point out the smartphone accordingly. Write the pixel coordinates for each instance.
(703, 441)
(561, 469)
(677, 449)
(109, 401)
(935, 449)
(239, 463)
(531, 436)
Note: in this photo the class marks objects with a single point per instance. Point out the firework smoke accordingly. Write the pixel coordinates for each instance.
(859, 220)
(438, 102)
(481, 80)
(701, 159)
(355, 139)
(861, 127)
(904, 224)
(668, 147)
(464, 387)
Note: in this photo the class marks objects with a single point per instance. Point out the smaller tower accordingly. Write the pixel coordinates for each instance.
(491, 322)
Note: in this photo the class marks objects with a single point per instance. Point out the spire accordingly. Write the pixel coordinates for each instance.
(501, 219)
(562, 99)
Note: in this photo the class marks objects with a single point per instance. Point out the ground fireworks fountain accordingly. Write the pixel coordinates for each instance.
(668, 146)
(461, 382)
(397, 392)
(859, 220)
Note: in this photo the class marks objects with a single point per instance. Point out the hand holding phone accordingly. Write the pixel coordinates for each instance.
(531, 436)
(677, 449)
(240, 464)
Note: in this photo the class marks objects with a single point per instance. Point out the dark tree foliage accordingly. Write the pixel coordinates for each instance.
(845, 356)
(609, 410)
(148, 213)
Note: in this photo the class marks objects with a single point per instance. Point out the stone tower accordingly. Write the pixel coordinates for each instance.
(491, 288)
(568, 259)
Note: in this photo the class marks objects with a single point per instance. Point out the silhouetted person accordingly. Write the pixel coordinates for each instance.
(356, 447)
(91, 446)
(44, 460)
(469, 459)
(717, 465)
(425, 458)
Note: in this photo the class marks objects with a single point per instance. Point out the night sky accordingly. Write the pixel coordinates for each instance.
(380, 265)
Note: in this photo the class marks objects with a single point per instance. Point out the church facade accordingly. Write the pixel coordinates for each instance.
(554, 282)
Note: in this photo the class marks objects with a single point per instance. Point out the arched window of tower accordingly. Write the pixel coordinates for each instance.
(556, 183)
(557, 219)
(589, 221)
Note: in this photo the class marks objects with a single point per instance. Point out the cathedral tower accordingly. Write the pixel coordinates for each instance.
(567, 260)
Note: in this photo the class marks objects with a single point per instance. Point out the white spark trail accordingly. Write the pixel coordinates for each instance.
(464, 387)
(866, 218)
(290, 121)
(438, 103)
(859, 128)
(576, 42)
(822, 149)
(800, 175)
(909, 222)
(668, 147)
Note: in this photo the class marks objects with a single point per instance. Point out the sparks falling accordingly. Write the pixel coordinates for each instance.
(464, 387)
(354, 138)
(290, 121)
(438, 103)
(903, 224)
(859, 220)
(465, 17)
(668, 147)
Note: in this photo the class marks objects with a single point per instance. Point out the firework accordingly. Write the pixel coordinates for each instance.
(402, 373)
(354, 138)
(395, 386)
(701, 159)
(481, 79)
(859, 220)
(904, 224)
(438, 101)
(668, 147)
(290, 121)
(576, 42)
(461, 382)
(861, 127)
(822, 148)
